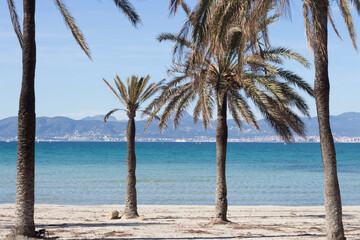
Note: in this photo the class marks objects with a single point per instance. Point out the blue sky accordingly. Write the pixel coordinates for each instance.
(69, 84)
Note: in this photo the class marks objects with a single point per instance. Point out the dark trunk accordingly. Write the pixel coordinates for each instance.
(221, 144)
(333, 209)
(24, 215)
(131, 202)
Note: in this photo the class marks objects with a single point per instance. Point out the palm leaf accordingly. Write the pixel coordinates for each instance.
(126, 7)
(71, 23)
(109, 114)
(109, 86)
(15, 21)
(346, 13)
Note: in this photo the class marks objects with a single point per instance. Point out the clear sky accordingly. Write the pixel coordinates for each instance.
(69, 84)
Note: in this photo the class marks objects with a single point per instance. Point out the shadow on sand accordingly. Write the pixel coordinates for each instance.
(297, 236)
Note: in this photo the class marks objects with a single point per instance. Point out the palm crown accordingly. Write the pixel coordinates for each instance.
(133, 94)
(208, 76)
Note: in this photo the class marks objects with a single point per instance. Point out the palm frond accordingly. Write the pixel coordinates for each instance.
(15, 21)
(109, 114)
(174, 6)
(127, 8)
(118, 97)
(333, 24)
(71, 23)
(296, 80)
(274, 54)
(309, 29)
(346, 13)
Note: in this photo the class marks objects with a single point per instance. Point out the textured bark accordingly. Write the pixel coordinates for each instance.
(221, 204)
(131, 201)
(24, 215)
(333, 207)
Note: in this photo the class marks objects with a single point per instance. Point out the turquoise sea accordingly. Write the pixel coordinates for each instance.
(87, 173)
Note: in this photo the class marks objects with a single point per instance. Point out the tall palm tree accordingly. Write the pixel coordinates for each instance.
(213, 82)
(135, 93)
(223, 14)
(24, 213)
(316, 15)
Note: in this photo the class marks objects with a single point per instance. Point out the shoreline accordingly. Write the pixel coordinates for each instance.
(80, 222)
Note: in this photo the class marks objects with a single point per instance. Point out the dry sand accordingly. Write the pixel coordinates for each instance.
(183, 222)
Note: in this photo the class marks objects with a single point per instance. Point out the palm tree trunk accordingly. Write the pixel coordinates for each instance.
(24, 216)
(333, 207)
(131, 202)
(221, 144)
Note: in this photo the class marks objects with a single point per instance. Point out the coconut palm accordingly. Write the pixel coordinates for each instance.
(214, 83)
(224, 14)
(135, 93)
(24, 217)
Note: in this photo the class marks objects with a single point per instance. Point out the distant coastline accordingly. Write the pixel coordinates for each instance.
(345, 128)
(272, 139)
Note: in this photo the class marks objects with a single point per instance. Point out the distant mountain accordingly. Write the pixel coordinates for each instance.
(345, 127)
(99, 118)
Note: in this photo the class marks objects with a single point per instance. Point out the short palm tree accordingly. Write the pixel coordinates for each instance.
(213, 81)
(135, 93)
(24, 217)
(317, 13)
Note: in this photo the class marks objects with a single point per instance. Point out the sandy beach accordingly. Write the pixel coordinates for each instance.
(182, 222)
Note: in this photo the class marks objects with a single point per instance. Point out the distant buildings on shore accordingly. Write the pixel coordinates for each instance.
(99, 138)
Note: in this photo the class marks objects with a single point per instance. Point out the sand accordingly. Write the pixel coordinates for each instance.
(182, 222)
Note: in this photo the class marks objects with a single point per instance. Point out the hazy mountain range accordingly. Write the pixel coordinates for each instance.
(345, 127)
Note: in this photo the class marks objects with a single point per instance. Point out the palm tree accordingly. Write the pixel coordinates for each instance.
(132, 96)
(24, 213)
(213, 81)
(316, 15)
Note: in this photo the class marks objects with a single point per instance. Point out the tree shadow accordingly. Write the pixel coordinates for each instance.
(208, 238)
(170, 238)
(68, 225)
(285, 236)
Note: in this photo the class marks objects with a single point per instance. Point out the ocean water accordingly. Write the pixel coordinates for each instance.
(87, 173)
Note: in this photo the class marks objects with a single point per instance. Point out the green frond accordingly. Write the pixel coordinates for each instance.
(333, 24)
(296, 80)
(118, 97)
(127, 8)
(244, 111)
(346, 13)
(109, 114)
(172, 104)
(71, 23)
(122, 91)
(136, 92)
(308, 23)
(15, 21)
(174, 6)
(280, 52)
(234, 114)
(182, 106)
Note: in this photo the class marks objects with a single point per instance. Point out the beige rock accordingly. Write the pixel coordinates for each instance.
(112, 215)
